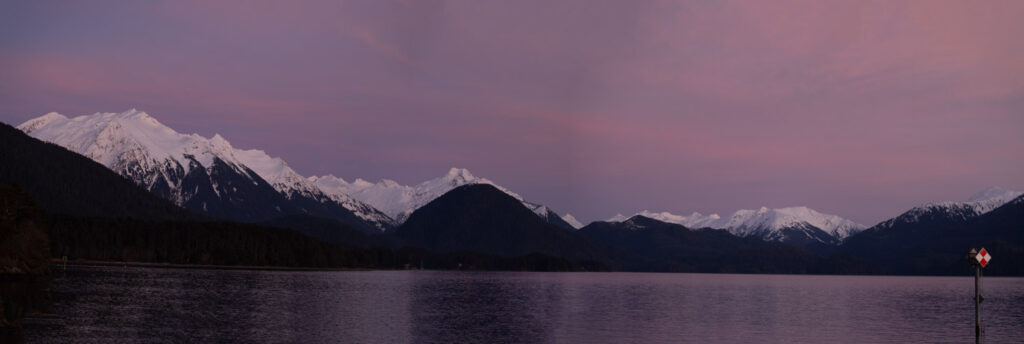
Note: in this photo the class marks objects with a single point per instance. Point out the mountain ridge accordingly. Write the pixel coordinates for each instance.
(978, 204)
(64, 182)
(204, 175)
(399, 201)
(782, 224)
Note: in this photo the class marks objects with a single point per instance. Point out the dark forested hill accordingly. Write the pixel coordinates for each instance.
(65, 182)
(939, 247)
(484, 219)
(672, 247)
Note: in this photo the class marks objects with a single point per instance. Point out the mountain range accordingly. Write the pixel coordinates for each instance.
(399, 201)
(207, 176)
(459, 213)
(951, 211)
(933, 238)
(90, 212)
(67, 183)
(664, 246)
(210, 176)
(796, 225)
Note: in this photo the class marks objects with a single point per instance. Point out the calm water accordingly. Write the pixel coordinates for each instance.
(111, 304)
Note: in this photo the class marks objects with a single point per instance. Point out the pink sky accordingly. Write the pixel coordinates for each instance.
(860, 109)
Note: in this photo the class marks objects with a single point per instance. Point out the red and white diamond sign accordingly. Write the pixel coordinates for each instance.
(983, 257)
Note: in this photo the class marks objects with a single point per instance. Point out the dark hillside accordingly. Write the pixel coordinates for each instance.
(61, 181)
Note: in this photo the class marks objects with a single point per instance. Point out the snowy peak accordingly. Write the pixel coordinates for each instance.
(274, 170)
(35, 123)
(396, 200)
(991, 198)
(388, 197)
(328, 181)
(277, 172)
(399, 201)
(695, 220)
(620, 218)
(132, 136)
(980, 203)
(459, 176)
(763, 222)
(747, 222)
(571, 220)
(137, 146)
(994, 193)
(135, 136)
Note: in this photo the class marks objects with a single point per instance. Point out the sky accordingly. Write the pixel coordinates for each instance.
(861, 109)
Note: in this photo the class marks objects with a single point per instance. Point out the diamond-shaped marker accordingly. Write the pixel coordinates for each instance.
(983, 257)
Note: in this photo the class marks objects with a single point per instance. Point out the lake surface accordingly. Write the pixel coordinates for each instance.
(134, 304)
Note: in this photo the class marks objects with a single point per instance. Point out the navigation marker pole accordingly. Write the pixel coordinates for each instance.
(978, 259)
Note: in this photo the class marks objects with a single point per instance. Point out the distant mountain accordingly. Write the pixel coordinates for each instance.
(572, 221)
(934, 239)
(208, 176)
(485, 219)
(944, 213)
(62, 181)
(673, 247)
(399, 201)
(1000, 230)
(550, 216)
(800, 226)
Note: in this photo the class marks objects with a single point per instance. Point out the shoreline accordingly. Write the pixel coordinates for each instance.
(56, 264)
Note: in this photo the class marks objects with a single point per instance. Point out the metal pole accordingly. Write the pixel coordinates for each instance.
(977, 305)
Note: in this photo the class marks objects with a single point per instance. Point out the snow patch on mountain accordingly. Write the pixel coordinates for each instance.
(617, 218)
(992, 198)
(572, 221)
(276, 172)
(31, 125)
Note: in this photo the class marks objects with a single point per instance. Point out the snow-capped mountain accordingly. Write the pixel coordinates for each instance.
(136, 146)
(572, 221)
(399, 201)
(784, 224)
(978, 204)
(204, 175)
(296, 187)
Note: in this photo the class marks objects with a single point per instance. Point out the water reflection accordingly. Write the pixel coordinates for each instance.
(480, 307)
(21, 296)
(104, 304)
